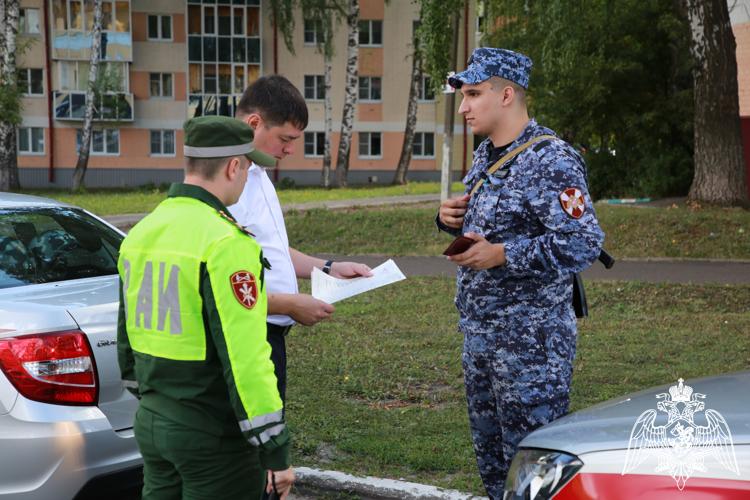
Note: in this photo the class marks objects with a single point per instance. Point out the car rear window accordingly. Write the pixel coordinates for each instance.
(54, 244)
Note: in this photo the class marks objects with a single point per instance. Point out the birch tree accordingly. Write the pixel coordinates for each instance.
(10, 97)
(91, 94)
(326, 14)
(411, 114)
(438, 33)
(350, 99)
(719, 176)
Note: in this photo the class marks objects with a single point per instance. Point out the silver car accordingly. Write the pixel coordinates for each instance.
(66, 423)
(687, 440)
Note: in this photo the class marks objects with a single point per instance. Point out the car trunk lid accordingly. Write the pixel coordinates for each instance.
(93, 305)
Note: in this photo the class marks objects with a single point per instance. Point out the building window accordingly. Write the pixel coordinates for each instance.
(224, 54)
(159, 27)
(424, 145)
(28, 22)
(371, 33)
(314, 144)
(160, 84)
(162, 143)
(31, 140)
(369, 145)
(77, 15)
(369, 88)
(313, 33)
(103, 142)
(30, 81)
(315, 87)
(426, 92)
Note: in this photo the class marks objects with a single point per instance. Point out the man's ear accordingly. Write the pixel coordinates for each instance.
(254, 120)
(233, 168)
(508, 94)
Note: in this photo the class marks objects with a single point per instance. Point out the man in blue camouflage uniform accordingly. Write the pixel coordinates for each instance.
(533, 226)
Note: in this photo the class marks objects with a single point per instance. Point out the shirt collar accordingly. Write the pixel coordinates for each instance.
(197, 192)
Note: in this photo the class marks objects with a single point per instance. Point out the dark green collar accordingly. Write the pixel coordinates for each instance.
(197, 192)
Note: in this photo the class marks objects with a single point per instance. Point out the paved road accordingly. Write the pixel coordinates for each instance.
(652, 270)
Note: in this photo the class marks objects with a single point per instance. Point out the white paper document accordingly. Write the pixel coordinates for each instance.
(330, 289)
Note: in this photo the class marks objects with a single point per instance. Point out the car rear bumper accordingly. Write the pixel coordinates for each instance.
(121, 485)
(51, 451)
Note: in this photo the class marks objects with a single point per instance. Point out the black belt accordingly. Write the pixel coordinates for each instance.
(278, 329)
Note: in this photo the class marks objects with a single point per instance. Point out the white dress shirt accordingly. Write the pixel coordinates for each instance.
(259, 210)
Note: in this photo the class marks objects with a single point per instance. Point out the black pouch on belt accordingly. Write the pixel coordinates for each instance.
(579, 297)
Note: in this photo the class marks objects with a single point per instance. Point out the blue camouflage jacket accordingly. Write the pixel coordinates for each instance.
(541, 210)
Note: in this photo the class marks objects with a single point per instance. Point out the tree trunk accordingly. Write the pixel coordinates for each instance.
(350, 99)
(8, 143)
(411, 118)
(450, 113)
(328, 119)
(719, 176)
(83, 154)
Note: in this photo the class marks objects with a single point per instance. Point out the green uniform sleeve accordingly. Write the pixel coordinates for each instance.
(124, 351)
(236, 309)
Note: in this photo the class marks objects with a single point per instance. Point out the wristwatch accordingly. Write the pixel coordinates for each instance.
(327, 267)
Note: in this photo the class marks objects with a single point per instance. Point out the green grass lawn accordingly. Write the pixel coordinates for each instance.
(634, 232)
(141, 200)
(714, 233)
(378, 390)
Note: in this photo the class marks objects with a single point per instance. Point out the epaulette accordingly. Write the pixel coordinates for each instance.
(231, 220)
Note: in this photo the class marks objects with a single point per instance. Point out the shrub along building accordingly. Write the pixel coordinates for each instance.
(168, 60)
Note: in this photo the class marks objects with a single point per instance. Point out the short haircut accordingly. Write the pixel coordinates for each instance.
(499, 84)
(206, 167)
(276, 100)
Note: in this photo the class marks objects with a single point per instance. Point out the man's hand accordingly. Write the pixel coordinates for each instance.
(283, 481)
(348, 270)
(481, 255)
(307, 310)
(452, 211)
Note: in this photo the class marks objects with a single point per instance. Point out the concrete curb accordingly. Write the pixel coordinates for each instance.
(373, 487)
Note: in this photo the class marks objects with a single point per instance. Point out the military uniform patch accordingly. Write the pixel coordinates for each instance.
(572, 202)
(245, 288)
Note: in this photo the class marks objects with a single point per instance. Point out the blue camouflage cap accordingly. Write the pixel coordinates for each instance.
(486, 62)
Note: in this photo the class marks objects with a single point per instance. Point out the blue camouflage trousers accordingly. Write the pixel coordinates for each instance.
(517, 379)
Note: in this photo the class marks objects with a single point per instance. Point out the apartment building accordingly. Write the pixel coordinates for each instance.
(739, 13)
(164, 61)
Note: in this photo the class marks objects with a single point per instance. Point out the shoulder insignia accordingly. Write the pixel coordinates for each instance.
(235, 223)
(572, 202)
(245, 288)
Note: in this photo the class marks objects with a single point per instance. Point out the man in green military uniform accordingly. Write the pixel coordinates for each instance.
(192, 332)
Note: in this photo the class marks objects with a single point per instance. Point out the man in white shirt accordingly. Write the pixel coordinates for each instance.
(277, 112)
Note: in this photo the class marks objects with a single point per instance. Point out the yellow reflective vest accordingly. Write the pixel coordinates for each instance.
(192, 323)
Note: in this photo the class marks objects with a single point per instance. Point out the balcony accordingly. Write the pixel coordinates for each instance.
(112, 106)
(76, 46)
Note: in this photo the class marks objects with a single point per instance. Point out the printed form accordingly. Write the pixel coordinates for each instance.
(330, 289)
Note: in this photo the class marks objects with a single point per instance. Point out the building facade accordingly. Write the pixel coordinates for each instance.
(739, 14)
(164, 61)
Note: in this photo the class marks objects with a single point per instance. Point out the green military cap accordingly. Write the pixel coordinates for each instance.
(221, 137)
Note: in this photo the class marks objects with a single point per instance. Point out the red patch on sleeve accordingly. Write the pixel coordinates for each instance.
(572, 202)
(245, 288)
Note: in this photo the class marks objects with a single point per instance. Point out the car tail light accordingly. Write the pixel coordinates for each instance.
(55, 368)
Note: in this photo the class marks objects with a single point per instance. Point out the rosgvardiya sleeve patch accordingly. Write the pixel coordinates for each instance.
(245, 288)
(572, 202)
